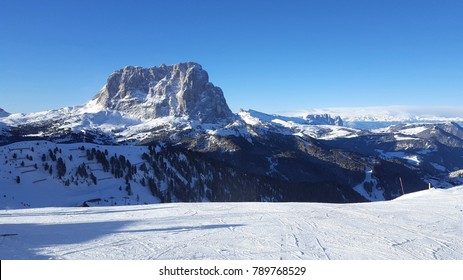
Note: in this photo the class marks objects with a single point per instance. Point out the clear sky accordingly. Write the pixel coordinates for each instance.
(271, 56)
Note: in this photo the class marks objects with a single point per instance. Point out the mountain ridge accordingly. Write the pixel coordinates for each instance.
(195, 149)
(376, 117)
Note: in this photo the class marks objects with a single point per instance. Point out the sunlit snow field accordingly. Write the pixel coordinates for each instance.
(423, 225)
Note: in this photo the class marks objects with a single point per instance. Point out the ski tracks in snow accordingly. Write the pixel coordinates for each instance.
(299, 240)
(428, 226)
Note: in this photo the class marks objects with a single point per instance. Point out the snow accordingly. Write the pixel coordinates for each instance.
(403, 138)
(336, 132)
(425, 225)
(38, 189)
(412, 159)
(456, 174)
(376, 117)
(376, 193)
(413, 130)
(296, 126)
(438, 166)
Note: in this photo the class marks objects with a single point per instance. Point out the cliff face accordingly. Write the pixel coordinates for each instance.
(181, 90)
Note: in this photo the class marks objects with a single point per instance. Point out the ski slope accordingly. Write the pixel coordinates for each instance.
(423, 225)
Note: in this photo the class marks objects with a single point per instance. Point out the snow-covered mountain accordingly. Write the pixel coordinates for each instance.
(381, 117)
(180, 90)
(316, 126)
(175, 123)
(426, 225)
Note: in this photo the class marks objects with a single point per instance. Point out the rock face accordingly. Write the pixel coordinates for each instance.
(180, 90)
(324, 119)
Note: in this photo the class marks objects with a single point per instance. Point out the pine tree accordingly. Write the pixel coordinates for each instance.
(128, 188)
(61, 168)
(82, 171)
(93, 178)
(52, 155)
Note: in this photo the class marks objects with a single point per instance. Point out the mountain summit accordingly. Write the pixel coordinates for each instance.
(180, 90)
(3, 113)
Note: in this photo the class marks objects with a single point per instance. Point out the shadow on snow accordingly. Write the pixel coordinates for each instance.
(33, 240)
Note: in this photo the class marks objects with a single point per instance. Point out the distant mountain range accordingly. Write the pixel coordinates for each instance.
(166, 134)
(380, 117)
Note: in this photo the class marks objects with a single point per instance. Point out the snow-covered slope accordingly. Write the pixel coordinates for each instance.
(423, 225)
(46, 174)
(29, 176)
(322, 127)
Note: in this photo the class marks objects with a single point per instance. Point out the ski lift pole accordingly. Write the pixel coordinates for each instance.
(402, 185)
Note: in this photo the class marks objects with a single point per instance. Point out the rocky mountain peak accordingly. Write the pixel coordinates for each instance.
(3, 113)
(180, 90)
(318, 119)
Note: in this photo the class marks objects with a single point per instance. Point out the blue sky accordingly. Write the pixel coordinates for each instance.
(272, 56)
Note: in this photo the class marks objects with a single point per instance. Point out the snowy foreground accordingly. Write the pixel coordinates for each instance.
(424, 225)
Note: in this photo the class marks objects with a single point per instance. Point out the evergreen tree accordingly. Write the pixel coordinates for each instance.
(89, 155)
(93, 178)
(82, 171)
(52, 155)
(60, 167)
(128, 188)
(143, 167)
